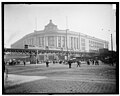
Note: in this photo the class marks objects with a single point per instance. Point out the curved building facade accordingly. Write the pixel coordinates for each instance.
(52, 38)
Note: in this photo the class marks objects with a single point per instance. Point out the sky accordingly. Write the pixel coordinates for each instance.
(97, 20)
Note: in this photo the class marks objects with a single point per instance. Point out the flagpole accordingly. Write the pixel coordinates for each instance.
(66, 36)
(36, 23)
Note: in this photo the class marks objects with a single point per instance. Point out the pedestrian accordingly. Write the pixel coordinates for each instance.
(78, 63)
(96, 62)
(69, 63)
(111, 61)
(88, 62)
(24, 63)
(47, 63)
(93, 62)
(5, 69)
(60, 62)
(53, 62)
(6, 72)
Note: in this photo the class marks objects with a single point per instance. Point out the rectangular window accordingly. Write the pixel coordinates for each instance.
(82, 42)
(83, 48)
(63, 41)
(89, 41)
(59, 41)
(106, 45)
(31, 41)
(71, 42)
(41, 41)
(40, 44)
(24, 43)
(50, 40)
(77, 44)
(28, 41)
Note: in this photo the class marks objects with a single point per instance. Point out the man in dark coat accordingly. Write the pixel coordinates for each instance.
(24, 63)
(69, 63)
(96, 62)
(93, 62)
(88, 62)
(78, 63)
(47, 63)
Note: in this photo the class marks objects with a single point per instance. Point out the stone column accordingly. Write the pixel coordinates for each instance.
(61, 41)
(46, 39)
(56, 41)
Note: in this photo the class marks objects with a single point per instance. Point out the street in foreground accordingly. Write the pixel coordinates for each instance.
(58, 78)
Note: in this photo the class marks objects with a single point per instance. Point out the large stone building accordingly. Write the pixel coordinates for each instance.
(52, 38)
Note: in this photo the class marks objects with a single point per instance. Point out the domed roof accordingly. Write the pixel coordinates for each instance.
(50, 27)
(50, 23)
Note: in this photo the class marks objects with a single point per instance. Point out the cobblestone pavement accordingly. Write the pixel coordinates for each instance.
(62, 86)
(61, 79)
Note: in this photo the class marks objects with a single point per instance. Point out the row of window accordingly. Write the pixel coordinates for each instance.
(96, 43)
(61, 41)
(83, 43)
(41, 41)
(51, 41)
(106, 45)
(83, 48)
(29, 42)
(91, 50)
(74, 43)
(95, 46)
(82, 40)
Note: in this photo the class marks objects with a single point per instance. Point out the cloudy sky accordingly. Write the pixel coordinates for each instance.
(97, 20)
